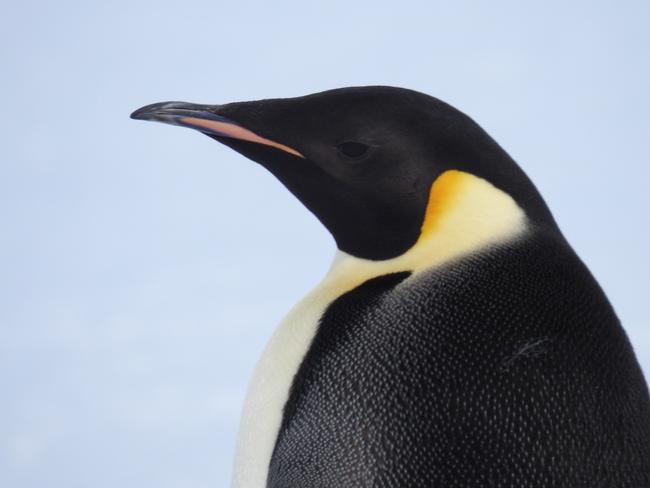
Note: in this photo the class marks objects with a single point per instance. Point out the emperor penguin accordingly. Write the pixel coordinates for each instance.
(457, 340)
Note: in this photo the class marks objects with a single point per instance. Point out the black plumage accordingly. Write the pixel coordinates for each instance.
(507, 368)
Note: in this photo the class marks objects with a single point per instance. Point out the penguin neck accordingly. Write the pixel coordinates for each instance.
(465, 214)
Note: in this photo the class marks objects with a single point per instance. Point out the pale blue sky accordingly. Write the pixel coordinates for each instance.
(143, 266)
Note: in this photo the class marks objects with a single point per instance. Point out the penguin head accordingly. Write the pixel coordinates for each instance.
(362, 159)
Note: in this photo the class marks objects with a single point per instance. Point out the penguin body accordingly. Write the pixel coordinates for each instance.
(458, 202)
(467, 376)
(457, 339)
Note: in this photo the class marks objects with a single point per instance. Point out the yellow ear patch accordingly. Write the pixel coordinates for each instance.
(464, 214)
(444, 193)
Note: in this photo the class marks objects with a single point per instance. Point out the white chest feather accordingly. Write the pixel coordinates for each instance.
(465, 214)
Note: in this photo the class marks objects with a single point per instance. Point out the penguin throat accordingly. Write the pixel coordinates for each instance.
(465, 214)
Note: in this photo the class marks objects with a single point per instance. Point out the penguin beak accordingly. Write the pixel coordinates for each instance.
(204, 119)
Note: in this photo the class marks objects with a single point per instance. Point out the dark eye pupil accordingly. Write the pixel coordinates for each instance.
(352, 149)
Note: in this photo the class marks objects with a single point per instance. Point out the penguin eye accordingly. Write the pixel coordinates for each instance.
(352, 149)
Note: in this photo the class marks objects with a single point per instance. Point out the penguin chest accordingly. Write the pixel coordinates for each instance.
(341, 422)
(269, 389)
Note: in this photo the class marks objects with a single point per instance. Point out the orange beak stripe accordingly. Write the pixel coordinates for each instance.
(236, 132)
